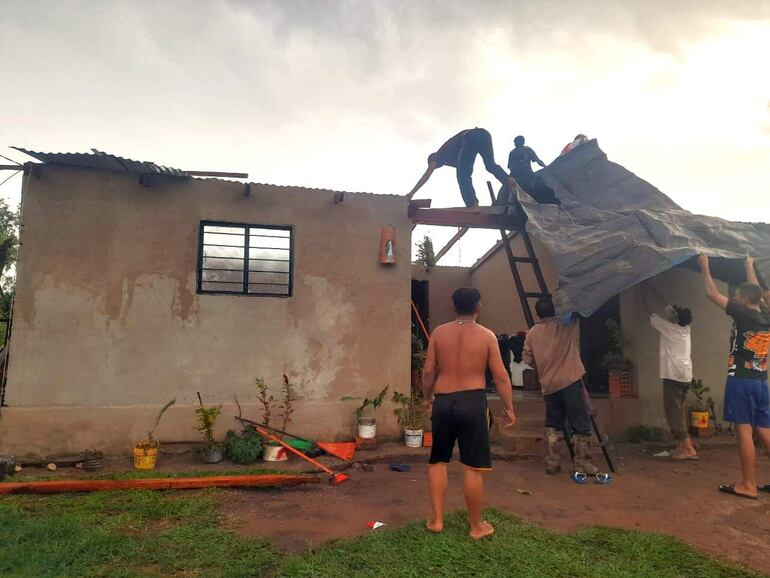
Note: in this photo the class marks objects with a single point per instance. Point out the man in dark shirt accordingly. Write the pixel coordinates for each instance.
(520, 165)
(520, 160)
(747, 396)
(460, 152)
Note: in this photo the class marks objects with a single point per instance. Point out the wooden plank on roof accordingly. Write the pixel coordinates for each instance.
(487, 218)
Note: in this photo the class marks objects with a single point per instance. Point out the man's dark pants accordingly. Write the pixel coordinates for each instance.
(568, 404)
(477, 141)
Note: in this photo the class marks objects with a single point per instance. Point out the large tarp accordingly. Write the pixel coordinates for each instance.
(613, 230)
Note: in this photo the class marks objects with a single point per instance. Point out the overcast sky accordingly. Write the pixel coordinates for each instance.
(353, 95)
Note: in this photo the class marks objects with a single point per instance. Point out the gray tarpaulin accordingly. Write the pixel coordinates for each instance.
(614, 230)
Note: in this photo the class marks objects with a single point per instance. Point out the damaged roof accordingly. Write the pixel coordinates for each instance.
(104, 161)
(615, 230)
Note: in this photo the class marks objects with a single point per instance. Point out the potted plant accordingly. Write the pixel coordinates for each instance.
(207, 417)
(146, 451)
(367, 426)
(617, 364)
(418, 360)
(273, 451)
(699, 413)
(411, 416)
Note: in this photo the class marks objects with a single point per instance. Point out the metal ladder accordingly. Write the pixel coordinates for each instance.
(525, 296)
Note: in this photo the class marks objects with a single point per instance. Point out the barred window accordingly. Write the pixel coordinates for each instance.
(236, 259)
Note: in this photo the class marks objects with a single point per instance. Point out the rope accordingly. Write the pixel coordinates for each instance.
(419, 319)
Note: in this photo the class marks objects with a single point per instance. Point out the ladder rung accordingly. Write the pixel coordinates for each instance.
(534, 295)
(525, 260)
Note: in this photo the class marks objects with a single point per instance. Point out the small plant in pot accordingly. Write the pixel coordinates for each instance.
(207, 417)
(274, 452)
(411, 416)
(146, 451)
(699, 412)
(367, 426)
(418, 360)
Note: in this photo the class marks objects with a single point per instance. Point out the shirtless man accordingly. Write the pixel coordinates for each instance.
(455, 367)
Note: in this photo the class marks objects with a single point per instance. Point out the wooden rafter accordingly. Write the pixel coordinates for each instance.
(486, 218)
(445, 249)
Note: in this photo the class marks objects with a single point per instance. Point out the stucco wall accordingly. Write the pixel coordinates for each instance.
(500, 306)
(108, 325)
(710, 338)
(442, 281)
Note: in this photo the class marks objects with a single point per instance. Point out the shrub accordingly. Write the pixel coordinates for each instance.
(243, 449)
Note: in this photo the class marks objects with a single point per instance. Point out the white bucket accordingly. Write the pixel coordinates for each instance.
(413, 438)
(367, 428)
(275, 454)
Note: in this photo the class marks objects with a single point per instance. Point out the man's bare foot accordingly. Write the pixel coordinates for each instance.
(435, 527)
(746, 490)
(483, 530)
(684, 455)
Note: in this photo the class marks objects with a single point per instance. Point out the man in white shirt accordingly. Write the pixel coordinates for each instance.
(676, 373)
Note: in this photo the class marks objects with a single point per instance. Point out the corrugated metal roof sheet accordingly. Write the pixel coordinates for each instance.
(104, 161)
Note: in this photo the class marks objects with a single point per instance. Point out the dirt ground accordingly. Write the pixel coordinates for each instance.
(649, 494)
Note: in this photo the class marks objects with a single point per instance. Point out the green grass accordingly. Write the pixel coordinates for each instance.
(129, 534)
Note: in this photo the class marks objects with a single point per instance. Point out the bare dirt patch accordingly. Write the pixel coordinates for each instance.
(650, 494)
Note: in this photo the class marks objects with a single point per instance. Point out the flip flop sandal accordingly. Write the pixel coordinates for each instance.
(603, 479)
(400, 467)
(679, 458)
(579, 478)
(765, 488)
(730, 489)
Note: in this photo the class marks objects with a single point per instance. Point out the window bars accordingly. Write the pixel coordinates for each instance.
(241, 259)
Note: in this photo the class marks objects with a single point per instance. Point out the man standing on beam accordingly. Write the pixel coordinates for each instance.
(460, 152)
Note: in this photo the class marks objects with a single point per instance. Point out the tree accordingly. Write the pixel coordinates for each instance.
(9, 230)
(425, 253)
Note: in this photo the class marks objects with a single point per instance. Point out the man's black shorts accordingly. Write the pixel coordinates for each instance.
(461, 416)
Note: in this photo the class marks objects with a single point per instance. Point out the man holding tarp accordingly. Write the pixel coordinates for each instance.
(747, 396)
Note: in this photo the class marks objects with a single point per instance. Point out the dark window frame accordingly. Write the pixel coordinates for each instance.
(247, 238)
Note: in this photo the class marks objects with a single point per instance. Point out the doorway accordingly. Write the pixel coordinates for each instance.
(595, 344)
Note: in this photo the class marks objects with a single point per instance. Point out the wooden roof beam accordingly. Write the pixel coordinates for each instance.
(445, 249)
(486, 218)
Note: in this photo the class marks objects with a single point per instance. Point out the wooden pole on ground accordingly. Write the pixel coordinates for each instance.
(66, 486)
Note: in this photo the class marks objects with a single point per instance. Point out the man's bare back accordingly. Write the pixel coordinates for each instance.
(463, 351)
(454, 383)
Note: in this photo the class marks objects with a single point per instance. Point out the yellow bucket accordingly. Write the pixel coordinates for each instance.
(699, 419)
(145, 458)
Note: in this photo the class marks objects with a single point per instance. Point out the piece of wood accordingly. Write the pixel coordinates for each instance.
(445, 249)
(218, 174)
(464, 218)
(420, 204)
(67, 486)
(11, 167)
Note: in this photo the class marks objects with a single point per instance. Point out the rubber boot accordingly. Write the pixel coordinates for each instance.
(555, 439)
(583, 455)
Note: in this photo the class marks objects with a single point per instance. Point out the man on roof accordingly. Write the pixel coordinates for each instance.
(520, 165)
(460, 152)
